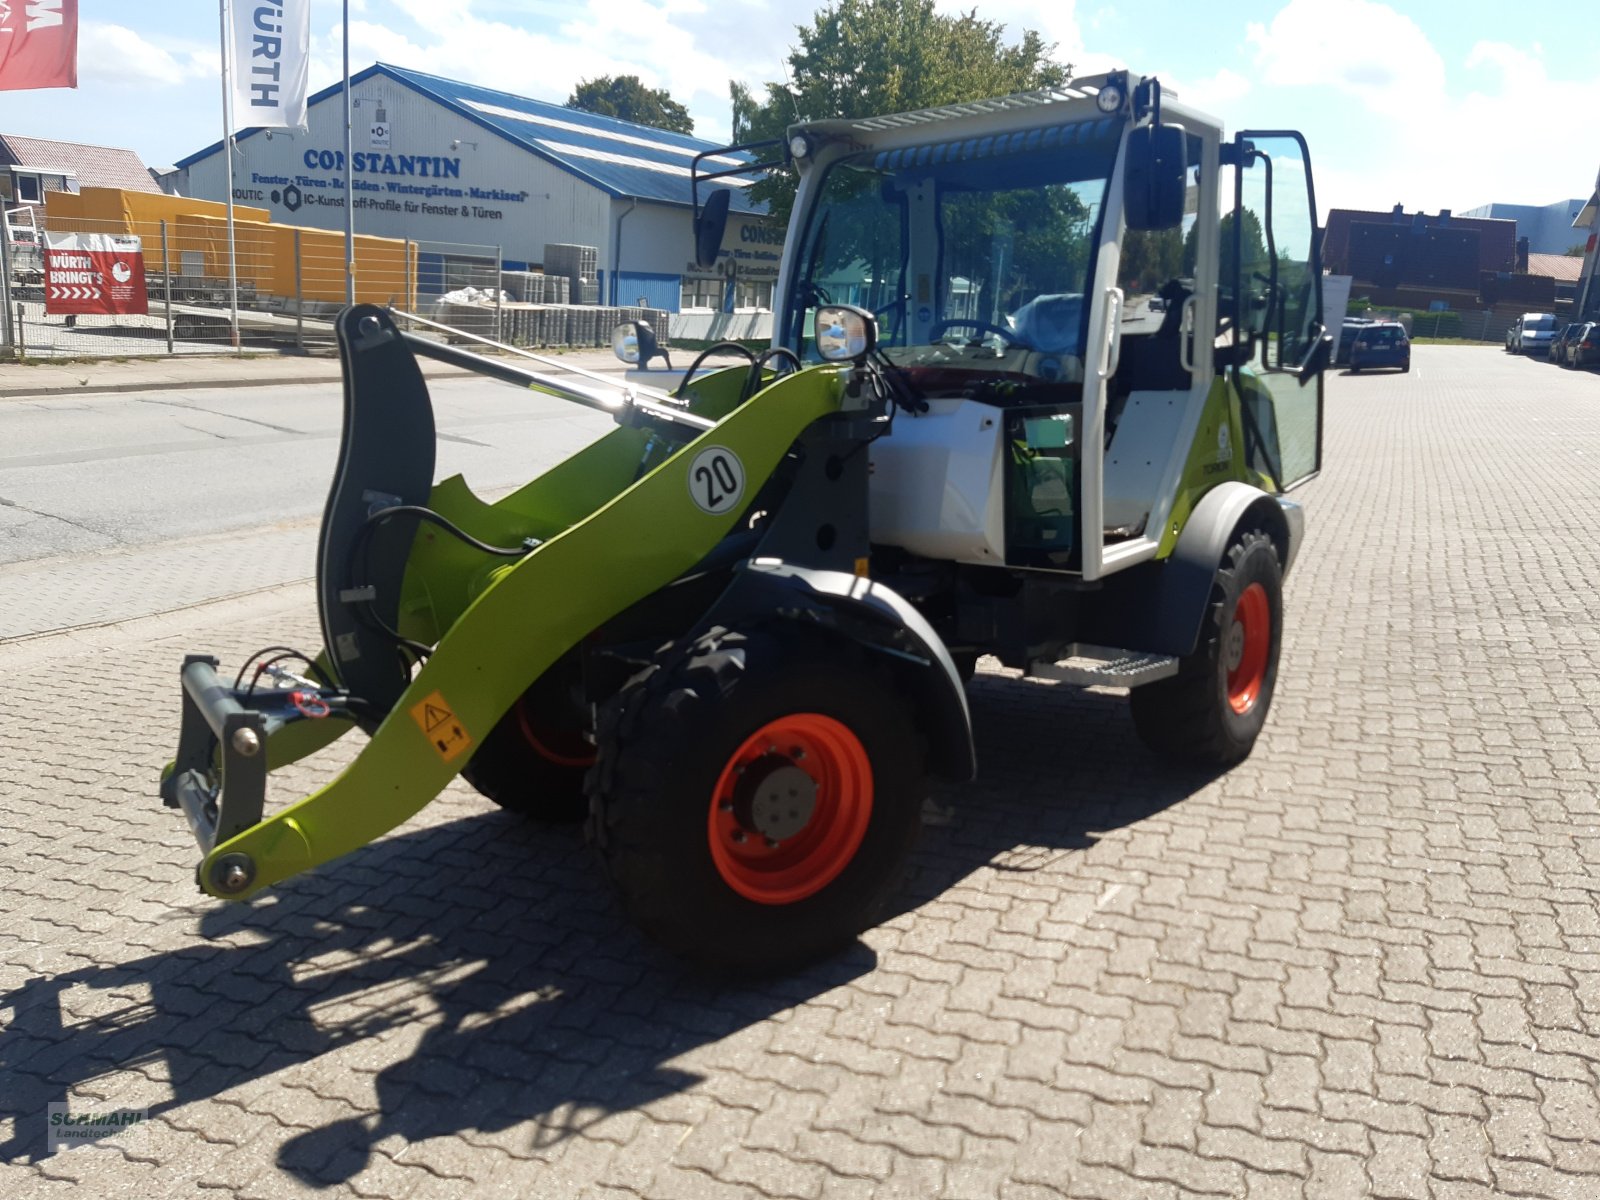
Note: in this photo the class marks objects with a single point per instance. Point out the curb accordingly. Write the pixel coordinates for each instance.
(149, 385)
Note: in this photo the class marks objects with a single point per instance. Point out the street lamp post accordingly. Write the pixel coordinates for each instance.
(349, 190)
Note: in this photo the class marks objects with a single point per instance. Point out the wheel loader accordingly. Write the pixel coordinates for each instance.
(1043, 368)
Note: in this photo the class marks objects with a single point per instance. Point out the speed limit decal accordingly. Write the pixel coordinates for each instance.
(716, 480)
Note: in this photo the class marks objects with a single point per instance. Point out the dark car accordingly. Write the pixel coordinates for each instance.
(1347, 336)
(1381, 344)
(1558, 348)
(1583, 350)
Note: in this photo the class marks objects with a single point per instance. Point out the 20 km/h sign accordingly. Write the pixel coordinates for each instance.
(93, 273)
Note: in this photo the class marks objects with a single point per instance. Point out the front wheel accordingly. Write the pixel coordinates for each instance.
(534, 760)
(757, 796)
(1212, 710)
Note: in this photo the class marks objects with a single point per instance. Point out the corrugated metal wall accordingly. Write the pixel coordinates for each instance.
(521, 203)
(657, 290)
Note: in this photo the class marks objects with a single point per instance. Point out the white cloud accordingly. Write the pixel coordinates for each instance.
(116, 56)
(1364, 49)
(1217, 94)
(1432, 134)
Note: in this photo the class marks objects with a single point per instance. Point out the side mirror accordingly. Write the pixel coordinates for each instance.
(634, 342)
(709, 225)
(1317, 357)
(1154, 178)
(845, 333)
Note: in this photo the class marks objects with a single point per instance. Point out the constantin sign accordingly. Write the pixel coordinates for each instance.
(93, 273)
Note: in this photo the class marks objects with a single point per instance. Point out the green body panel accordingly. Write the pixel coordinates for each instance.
(717, 394)
(1212, 460)
(444, 575)
(636, 538)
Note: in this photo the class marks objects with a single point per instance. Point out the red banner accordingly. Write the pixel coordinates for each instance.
(93, 273)
(38, 44)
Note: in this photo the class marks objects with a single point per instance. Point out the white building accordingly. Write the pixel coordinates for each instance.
(442, 162)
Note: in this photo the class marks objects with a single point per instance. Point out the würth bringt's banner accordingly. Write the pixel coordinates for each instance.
(92, 273)
(38, 44)
(271, 60)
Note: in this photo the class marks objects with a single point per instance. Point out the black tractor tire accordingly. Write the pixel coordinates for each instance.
(965, 663)
(533, 762)
(685, 814)
(1211, 711)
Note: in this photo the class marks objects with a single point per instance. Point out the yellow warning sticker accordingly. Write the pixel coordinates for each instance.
(443, 728)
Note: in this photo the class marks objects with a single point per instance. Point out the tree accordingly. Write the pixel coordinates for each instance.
(862, 58)
(626, 97)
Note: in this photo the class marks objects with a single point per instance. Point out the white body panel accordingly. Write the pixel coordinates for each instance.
(937, 485)
(1148, 436)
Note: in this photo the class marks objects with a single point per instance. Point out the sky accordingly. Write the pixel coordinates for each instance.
(1428, 103)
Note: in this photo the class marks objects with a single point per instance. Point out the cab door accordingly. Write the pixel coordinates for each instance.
(1272, 265)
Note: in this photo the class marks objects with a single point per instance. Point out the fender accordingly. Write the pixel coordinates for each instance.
(1158, 607)
(878, 618)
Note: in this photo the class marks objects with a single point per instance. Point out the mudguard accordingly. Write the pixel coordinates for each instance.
(878, 618)
(1158, 607)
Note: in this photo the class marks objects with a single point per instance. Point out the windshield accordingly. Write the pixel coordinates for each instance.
(1539, 325)
(975, 255)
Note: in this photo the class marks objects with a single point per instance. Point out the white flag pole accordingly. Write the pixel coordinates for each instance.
(349, 191)
(227, 158)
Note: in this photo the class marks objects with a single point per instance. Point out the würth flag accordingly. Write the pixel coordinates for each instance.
(38, 44)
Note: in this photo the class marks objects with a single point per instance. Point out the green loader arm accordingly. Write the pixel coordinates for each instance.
(503, 626)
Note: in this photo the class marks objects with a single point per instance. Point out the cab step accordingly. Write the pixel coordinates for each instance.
(1105, 666)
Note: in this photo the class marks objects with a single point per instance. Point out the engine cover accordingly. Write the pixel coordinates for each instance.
(938, 484)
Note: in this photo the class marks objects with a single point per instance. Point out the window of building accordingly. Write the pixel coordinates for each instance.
(753, 295)
(702, 294)
(28, 189)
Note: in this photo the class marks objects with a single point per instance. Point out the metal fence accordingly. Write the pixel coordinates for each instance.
(290, 284)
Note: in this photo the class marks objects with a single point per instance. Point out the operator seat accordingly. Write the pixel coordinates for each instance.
(1151, 362)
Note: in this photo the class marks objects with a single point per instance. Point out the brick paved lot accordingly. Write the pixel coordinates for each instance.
(1366, 962)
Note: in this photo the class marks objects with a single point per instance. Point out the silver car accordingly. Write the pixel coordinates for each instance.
(1532, 333)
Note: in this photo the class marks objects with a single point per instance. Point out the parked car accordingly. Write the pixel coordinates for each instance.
(1558, 345)
(1583, 350)
(1347, 337)
(1381, 344)
(1531, 333)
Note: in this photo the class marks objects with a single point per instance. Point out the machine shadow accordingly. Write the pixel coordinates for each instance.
(542, 1006)
(1057, 766)
(541, 1003)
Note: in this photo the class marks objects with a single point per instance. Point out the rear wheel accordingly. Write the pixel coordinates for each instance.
(1212, 710)
(534, 761)
(757, 797)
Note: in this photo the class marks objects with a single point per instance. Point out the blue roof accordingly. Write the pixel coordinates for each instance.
(618, 157)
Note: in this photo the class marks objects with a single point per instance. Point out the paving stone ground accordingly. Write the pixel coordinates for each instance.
(1364, 963)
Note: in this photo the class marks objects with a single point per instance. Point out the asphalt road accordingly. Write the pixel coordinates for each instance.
(191, 495)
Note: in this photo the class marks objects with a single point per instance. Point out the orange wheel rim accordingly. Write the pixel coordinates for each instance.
(790, 808)
(563, 748)
(1249, 639)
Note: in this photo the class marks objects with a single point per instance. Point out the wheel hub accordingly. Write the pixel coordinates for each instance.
(1234, 651)
(790, 808)
(775, 798)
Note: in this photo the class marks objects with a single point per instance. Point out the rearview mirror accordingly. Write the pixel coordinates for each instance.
(634, 342)
(845, 332)
(1154, 177)
(710, 223)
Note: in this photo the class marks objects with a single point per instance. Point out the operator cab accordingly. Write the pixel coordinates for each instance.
(1056, 337)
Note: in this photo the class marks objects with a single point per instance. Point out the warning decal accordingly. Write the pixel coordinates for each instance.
(443, 728)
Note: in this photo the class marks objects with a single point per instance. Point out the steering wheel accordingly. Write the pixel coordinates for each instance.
(942, 327)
